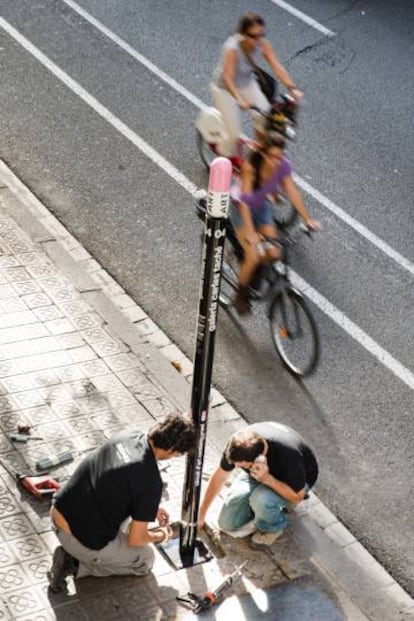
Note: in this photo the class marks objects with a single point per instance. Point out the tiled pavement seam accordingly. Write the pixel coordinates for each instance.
(335, 549)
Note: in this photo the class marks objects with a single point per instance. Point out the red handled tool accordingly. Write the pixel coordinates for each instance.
(41, 486)
(199, 604)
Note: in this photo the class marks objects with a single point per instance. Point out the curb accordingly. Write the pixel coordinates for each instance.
(338, 553)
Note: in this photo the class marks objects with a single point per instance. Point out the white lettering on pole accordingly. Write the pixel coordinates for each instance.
(218, 204)
(200, 448)
(218, 256)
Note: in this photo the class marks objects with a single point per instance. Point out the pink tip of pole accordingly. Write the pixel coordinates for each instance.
(220, 175)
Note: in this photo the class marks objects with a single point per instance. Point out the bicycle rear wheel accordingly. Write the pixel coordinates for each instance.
(294, 332)
(207, 155)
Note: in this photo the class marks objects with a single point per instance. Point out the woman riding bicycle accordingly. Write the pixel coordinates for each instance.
(234, 85)
(267, 172)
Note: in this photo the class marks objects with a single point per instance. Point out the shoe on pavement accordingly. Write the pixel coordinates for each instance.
(262, 540)
(243, 531)
(63, 566)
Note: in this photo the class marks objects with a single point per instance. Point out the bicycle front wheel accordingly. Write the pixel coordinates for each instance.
(207, 155)
(294, 332)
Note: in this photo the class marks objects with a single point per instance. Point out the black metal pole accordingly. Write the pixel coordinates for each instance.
(213, 245)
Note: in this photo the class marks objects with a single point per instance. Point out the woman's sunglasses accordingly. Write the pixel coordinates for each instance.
(256, 36)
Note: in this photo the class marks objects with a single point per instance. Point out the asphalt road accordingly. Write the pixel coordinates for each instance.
(354, 146)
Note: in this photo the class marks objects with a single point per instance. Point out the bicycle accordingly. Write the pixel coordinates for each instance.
(210, 130)
(294, 332)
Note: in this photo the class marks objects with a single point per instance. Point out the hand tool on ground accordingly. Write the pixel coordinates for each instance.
(40, 486)
(24, 437)
(199, 604)
(44, 463)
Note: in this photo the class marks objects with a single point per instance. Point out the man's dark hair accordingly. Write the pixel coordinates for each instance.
(244, 446)
(247, 21)
(174, 432)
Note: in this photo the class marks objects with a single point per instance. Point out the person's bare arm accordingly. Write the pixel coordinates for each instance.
(139, 535)
(296, 199)
(260, 472)
(280, 72)
(229, 69)
(216, 482)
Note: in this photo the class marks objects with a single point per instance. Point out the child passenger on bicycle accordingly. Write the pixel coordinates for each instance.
(263, 175)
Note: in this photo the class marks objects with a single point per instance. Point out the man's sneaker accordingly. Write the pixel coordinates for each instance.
(63, 566)
(262, 540)
(243, 531)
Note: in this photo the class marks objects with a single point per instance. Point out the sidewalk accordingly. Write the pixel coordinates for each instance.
(79, 360)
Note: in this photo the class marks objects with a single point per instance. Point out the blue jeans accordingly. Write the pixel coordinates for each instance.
(248, 499)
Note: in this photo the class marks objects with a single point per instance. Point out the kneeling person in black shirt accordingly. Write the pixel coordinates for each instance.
(101, 515)
(278, 470)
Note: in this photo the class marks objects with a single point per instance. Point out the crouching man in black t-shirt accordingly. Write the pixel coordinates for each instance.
(278, 470)
(101, 515)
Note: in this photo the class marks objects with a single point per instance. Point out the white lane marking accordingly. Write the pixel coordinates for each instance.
(305, 18)
(143, 146)
(323, 200)
(356, 225)
(354, 331)
(326, 307)
(132, 52)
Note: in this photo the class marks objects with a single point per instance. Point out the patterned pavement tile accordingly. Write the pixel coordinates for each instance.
(94, 334)
(7, 556)
(26, 286)
(20, 246)
(5, 443)
(23, 602)
(120, 362)
(75, 307)
(108, 347)
(48, 377)
(90, 440)
(13, 577)
(52, 431)
(67, 408)
(7, 291)
(69, 294)
(105, 383)
(10, 420)
(91, 368)
(34, 300)
(28, 398)
(55, 282)
(82, 354)
(7, 404)
(88, 321)
(38, 415)
(19, 318)
(4, 613)
(44, 361)
(158, 407)
(7, 261)
(11, 305)
(30, 331)
(60, 326)
(70, 373)
(8, 505)
(80, 425)
(31, 258)
(9, 367)
(70, 340)
(14, 527)
(16, 274)
(36, 568)
(27, 548)
(43, 270)
(56, 392)
(47, 313)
